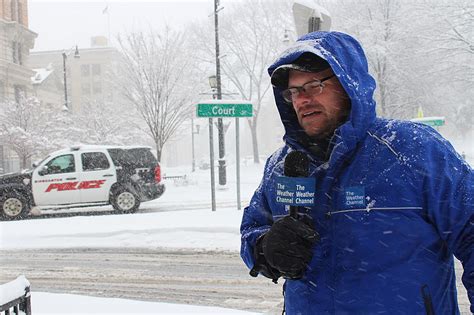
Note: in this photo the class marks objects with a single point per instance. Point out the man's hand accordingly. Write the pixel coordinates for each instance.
(261, 265)
(288, 245)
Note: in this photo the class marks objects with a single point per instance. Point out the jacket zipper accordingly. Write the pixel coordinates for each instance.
(425, 293)
(368, 209)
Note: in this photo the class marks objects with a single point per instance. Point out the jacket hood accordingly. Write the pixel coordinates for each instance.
(348, 62)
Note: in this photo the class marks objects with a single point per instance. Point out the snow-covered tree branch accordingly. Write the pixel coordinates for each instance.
(157, 80)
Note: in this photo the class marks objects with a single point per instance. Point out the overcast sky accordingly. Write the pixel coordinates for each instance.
(62, 24)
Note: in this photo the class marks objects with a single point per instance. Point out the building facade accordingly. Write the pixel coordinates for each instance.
(89, 73)
(16, 40)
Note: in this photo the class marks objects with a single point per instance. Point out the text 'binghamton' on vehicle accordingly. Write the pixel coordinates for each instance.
(84, 175)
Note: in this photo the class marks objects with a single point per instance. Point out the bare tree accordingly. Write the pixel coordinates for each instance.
(157, 73)
(251, 37)
(446, 32)
(383, 26)
(31, 129)
(252, 44)
(448, 27)
(419, 52)
(109, 123)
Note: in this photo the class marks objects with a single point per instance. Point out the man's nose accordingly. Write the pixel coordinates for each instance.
(300, 100)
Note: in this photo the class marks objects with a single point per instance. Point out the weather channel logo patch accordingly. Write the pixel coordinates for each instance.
(295, 191)
(354, 197)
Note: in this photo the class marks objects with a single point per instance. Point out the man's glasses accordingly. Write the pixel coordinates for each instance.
(311, 88)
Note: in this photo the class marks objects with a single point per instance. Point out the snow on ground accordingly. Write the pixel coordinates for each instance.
(171, 227)
(198, 228)
(43, 303)
(93, 305)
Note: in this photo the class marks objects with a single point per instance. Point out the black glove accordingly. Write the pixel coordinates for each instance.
(288, 245)
(261, 265)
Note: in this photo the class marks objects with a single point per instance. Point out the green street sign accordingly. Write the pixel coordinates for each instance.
(226, 109)
(430, 121)
(435, 122)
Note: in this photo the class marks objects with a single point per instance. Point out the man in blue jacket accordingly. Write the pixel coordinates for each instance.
(393, 200)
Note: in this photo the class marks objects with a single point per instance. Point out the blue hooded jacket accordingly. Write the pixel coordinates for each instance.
(393, 204)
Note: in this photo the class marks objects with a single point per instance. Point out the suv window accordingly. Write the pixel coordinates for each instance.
(135, 158)
(142, 157)
(94, 161)
(61, 164)
(120, 157)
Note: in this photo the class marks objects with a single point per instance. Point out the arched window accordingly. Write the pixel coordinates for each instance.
(14, 10)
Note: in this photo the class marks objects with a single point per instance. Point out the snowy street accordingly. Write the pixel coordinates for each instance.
(183, 277)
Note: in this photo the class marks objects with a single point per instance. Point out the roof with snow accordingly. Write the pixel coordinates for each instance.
(41, 74)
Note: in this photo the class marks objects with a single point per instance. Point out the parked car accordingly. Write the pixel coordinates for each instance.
(84, 176)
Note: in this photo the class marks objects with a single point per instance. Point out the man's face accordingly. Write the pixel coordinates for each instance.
(319, 115)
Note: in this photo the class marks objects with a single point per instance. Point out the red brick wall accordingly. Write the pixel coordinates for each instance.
(6, 10)
(24, 12)
(2, 9)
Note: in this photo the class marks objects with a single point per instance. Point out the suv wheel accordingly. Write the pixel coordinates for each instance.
(14, 206)
(124, 200)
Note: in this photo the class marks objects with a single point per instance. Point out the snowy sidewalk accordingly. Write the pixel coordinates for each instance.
(50, 303)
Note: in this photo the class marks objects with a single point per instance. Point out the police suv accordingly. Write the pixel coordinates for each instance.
(84, 176)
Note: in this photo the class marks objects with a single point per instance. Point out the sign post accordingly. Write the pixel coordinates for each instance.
(211, 163)
(225, 109)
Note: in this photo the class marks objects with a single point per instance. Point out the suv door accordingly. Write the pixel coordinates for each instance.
(98, 176)
(55, 181)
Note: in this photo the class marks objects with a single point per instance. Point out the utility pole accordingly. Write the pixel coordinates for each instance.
(220, 124)
(194, 131)
(65, 55)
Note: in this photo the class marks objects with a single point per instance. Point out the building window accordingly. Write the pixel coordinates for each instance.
(17, 55)
(85, 70)
(86, 88)
(14, 10)
(14, 52)
(95, 69)
(19, 92)
(20, 13)
(97, 88)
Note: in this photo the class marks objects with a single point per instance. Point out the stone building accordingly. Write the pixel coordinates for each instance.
(16, 40)
(89, 73)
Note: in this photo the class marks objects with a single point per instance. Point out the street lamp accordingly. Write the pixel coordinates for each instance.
(213, 85)
(65, 55)
(218, 89)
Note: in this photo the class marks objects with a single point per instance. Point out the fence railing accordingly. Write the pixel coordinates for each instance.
(15, 297)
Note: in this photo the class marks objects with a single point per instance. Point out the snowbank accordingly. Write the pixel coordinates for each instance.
(13, 290)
